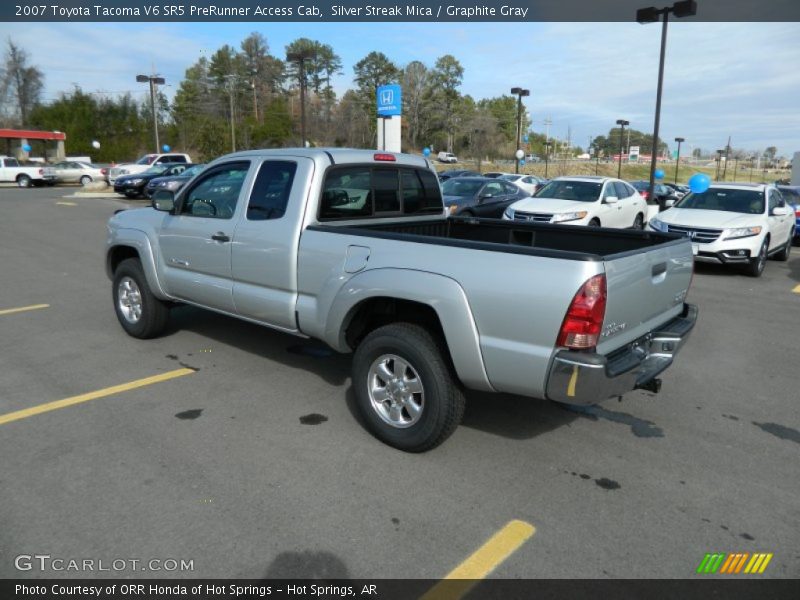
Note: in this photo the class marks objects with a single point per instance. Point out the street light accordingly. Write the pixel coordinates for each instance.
(547, 146)
(680, 140)
(519, 92)
(153, 80)
(622, 123)
(685, 8)
(300, 58)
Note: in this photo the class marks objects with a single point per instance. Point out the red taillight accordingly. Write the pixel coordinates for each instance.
(385, 157)
(584, 319)
(644, 194)
(41, 171)
(797, 213)
(103, 171)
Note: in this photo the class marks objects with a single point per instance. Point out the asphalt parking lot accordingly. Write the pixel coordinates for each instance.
(246, 457)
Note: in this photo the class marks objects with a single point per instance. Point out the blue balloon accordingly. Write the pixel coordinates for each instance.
(525, 138)
(27, 148)
(166, 148)
(699, 183)
(659, 174)
(521, 162)
(426, 151)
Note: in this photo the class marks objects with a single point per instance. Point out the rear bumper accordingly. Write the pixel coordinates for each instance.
(586, 378)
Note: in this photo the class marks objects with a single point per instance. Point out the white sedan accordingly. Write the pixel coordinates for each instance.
(528, 183)
(593, 201)
(734, 223)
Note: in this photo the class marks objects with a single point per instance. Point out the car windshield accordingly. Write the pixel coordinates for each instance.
(580, 191)
(791, 194)
(192, 171)
(461, 187)
(511, 177)
(146, 159)
(641, 186)
(750, 202)
(157, 169)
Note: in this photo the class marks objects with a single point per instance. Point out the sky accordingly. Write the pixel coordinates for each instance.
(721, 79)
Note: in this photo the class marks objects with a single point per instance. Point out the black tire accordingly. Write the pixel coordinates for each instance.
(756, 266)
(85, 180)
(784, 253)
(638, 222)
(594, 222)
(442, 400)
(129, 280)
(23, 181)
(467, 213)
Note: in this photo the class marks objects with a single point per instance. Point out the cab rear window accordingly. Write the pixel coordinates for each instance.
(378, 191)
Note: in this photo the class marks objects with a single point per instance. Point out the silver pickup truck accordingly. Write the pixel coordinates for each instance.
(353, 248)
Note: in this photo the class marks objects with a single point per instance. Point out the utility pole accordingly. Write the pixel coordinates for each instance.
(547, 122)
(153, 80)
(727, 154)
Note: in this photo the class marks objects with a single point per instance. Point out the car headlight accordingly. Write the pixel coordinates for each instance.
(452, 208)
(570, 216)
(509, 213)
(657, 224)
(742, 232)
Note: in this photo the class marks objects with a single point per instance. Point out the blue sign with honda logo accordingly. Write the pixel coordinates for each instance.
(390, 100)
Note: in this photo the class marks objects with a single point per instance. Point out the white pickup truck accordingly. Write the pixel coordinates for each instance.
(354, 248)
(12, 171)
(144, 163)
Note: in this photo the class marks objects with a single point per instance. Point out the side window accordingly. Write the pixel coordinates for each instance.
(271, 190)
(775, 199)
(175, 158)
(495, 188)
(216, 193)
(387, 190)
(621, 189)
(433, 193)
(12, 162)
(412, 190)
(610, 190)
(510, 188)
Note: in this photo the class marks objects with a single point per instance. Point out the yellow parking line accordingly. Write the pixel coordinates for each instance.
(109, 391)
(796, 289)
(482, 562)
(11, 311)
(67, 203)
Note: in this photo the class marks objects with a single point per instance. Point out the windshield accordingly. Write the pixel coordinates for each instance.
(749, 202)
(461, 187)
(146, 159)
(156, 169)
(641, 186)
(511, 177)
(580, 191)
(192, 171)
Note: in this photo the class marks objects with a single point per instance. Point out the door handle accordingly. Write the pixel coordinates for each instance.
(220, 237)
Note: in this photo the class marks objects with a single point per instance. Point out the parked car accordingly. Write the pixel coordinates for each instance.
(23, 175)
(792, 195)
(529, 183)
(663, 196)
(494, 174)
(445, 175)
(172, 182)
(447, 157)
(479, 196)
(144, 163)
(73, 171)
(133, 186)
(426, 306)
(593, 201)
(736, 223)
(533, 158)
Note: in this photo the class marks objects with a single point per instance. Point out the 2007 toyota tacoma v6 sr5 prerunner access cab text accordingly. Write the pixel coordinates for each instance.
(353, 247)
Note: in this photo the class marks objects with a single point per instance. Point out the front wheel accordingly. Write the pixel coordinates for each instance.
(140, 313)
(404, 388)
(638, 222)
(756, 266)
(594, 222)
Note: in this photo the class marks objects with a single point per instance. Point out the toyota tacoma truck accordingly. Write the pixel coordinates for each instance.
(353, 248)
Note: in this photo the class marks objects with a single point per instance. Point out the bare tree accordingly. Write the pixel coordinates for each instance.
(21, 82)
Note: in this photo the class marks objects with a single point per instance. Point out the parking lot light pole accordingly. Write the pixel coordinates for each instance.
(680, 140)
(153, 80)
(546, 156)
(685, 8)
(519, 92)
(719, 163)
(622, 123)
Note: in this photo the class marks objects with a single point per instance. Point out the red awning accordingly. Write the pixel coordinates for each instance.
(29, 134)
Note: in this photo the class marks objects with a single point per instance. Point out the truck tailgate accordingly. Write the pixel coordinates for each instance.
(645, 289)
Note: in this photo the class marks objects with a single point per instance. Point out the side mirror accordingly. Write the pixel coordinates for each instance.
(486, 197)
(779, 211)
(164, 200)
(669, 202)
(611, 200)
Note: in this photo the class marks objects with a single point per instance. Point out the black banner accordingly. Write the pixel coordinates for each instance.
(379, 10)
(385, 589)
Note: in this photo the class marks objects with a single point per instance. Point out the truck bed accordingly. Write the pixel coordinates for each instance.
(539, 239)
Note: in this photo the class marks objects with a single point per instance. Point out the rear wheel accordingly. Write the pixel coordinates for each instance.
(757, 264)
(140, 313)
(23, 181)
(405, 389)
(86, 180)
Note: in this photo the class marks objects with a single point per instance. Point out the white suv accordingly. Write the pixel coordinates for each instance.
(447, 157)
(594, 201)
(733, 223)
